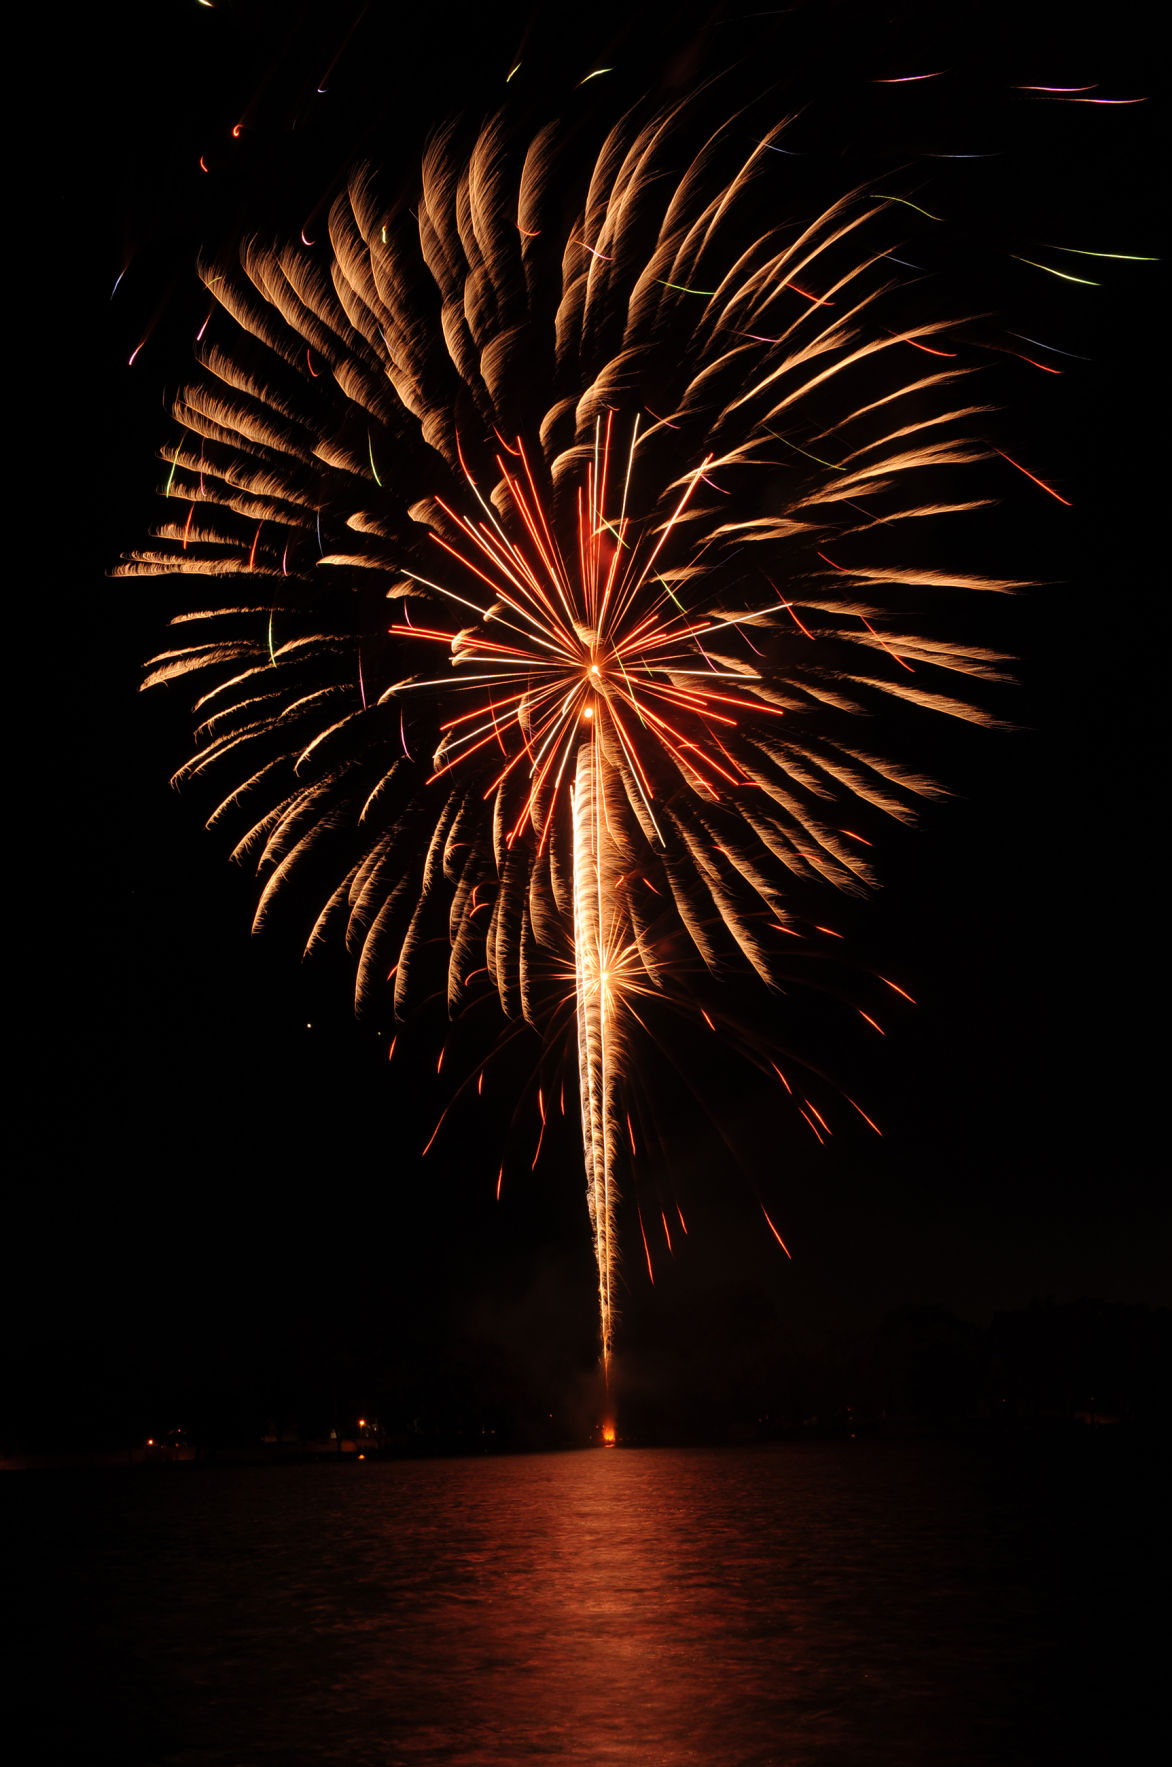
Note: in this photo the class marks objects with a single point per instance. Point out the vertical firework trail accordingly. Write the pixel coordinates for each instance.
(592, 885)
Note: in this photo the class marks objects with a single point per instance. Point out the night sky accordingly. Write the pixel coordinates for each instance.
(217, 1209)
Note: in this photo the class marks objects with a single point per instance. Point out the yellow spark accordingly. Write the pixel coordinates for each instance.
(1050, 271)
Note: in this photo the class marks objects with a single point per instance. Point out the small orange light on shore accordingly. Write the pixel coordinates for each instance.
(608, 1435)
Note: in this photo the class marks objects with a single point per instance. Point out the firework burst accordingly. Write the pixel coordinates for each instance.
(572, 547)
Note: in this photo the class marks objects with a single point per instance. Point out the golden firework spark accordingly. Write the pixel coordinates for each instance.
(652, 475)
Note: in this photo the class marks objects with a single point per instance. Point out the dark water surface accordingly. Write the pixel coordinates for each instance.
(831, 1603)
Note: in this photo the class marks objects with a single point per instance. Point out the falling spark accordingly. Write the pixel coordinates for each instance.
(1063, 275)
(776, 1234)
(1118, 257)
(1037, 481)
(647, 1248)
(863, 1114)
(1053, 347)
(885, 196)
(434, 1133)
(802, 1112)
(897, 988)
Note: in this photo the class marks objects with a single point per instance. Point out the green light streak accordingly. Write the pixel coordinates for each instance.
(708, 293)
(884, 197)
(1034, 265)
(1120, 257)
(670, 591)
(832, 464)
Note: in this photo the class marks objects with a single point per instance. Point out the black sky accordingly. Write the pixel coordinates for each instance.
(216, 1187)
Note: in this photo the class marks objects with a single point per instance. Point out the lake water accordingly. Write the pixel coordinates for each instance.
(833, 1603)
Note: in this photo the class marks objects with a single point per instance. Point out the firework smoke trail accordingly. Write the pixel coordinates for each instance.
(637, 485)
